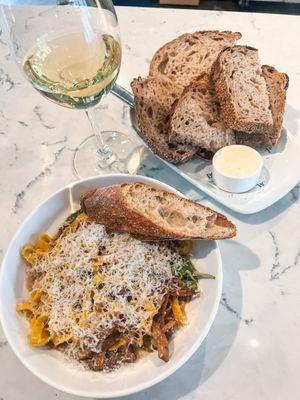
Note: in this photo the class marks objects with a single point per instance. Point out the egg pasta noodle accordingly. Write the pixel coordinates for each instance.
(103, 297)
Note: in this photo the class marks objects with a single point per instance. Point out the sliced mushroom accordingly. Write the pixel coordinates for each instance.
(160, 342)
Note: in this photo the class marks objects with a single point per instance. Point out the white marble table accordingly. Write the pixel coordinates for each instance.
(253, 348)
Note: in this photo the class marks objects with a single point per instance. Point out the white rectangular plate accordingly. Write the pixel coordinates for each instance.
(281, 172)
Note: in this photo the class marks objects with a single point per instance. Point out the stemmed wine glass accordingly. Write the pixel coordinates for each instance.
(70, 52)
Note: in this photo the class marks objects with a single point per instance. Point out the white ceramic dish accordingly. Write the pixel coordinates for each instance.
(49, 365)
(236, 168)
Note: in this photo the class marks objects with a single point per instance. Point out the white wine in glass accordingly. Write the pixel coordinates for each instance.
(72, 71)
(71, 54)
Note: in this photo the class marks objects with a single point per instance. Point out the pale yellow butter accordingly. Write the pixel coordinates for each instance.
(237, 161)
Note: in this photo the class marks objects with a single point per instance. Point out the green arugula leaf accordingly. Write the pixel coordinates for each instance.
(188, 273)
(73, 216)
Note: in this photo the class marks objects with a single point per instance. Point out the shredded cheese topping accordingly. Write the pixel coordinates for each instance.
(92, 281)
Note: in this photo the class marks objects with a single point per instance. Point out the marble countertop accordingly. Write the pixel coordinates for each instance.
(253, 348)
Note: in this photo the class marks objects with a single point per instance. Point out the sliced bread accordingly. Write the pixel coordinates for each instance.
(195, 118)
(183, 59)
(277, 85)
(154, 98)
(142, 210)
(242, 91)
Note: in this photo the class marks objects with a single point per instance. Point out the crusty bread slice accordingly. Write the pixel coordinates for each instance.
(154, 98)
(142, 210)
(195, 118)
(183, 59)
(277, 84)
(242, 91)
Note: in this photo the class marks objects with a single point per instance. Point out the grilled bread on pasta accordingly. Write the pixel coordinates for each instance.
(145, 211)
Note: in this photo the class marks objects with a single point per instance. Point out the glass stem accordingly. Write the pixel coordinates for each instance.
(104, 153)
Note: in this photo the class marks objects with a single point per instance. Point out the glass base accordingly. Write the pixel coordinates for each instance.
(120, 154)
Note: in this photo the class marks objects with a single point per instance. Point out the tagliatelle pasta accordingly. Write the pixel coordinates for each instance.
(101, 296)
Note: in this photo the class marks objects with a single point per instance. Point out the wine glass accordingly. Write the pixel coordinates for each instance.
(70, 52)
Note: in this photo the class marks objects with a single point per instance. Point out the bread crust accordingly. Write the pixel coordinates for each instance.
(108, 206)
(158, 140)
(277, 85)
(161, 53)
(228, 110)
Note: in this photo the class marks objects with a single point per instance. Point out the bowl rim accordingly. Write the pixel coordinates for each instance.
(141, 386)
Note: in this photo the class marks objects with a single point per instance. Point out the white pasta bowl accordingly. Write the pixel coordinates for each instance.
(50, 365)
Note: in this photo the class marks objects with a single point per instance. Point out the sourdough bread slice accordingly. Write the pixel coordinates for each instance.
(195, 118)
(154, 98)
(183, 59)
(142, 210)
(242, 91)
(277, 84)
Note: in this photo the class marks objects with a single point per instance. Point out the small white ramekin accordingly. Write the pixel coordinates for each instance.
(232, 183)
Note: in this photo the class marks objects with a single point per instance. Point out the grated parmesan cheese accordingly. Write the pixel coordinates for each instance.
(93, 280)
